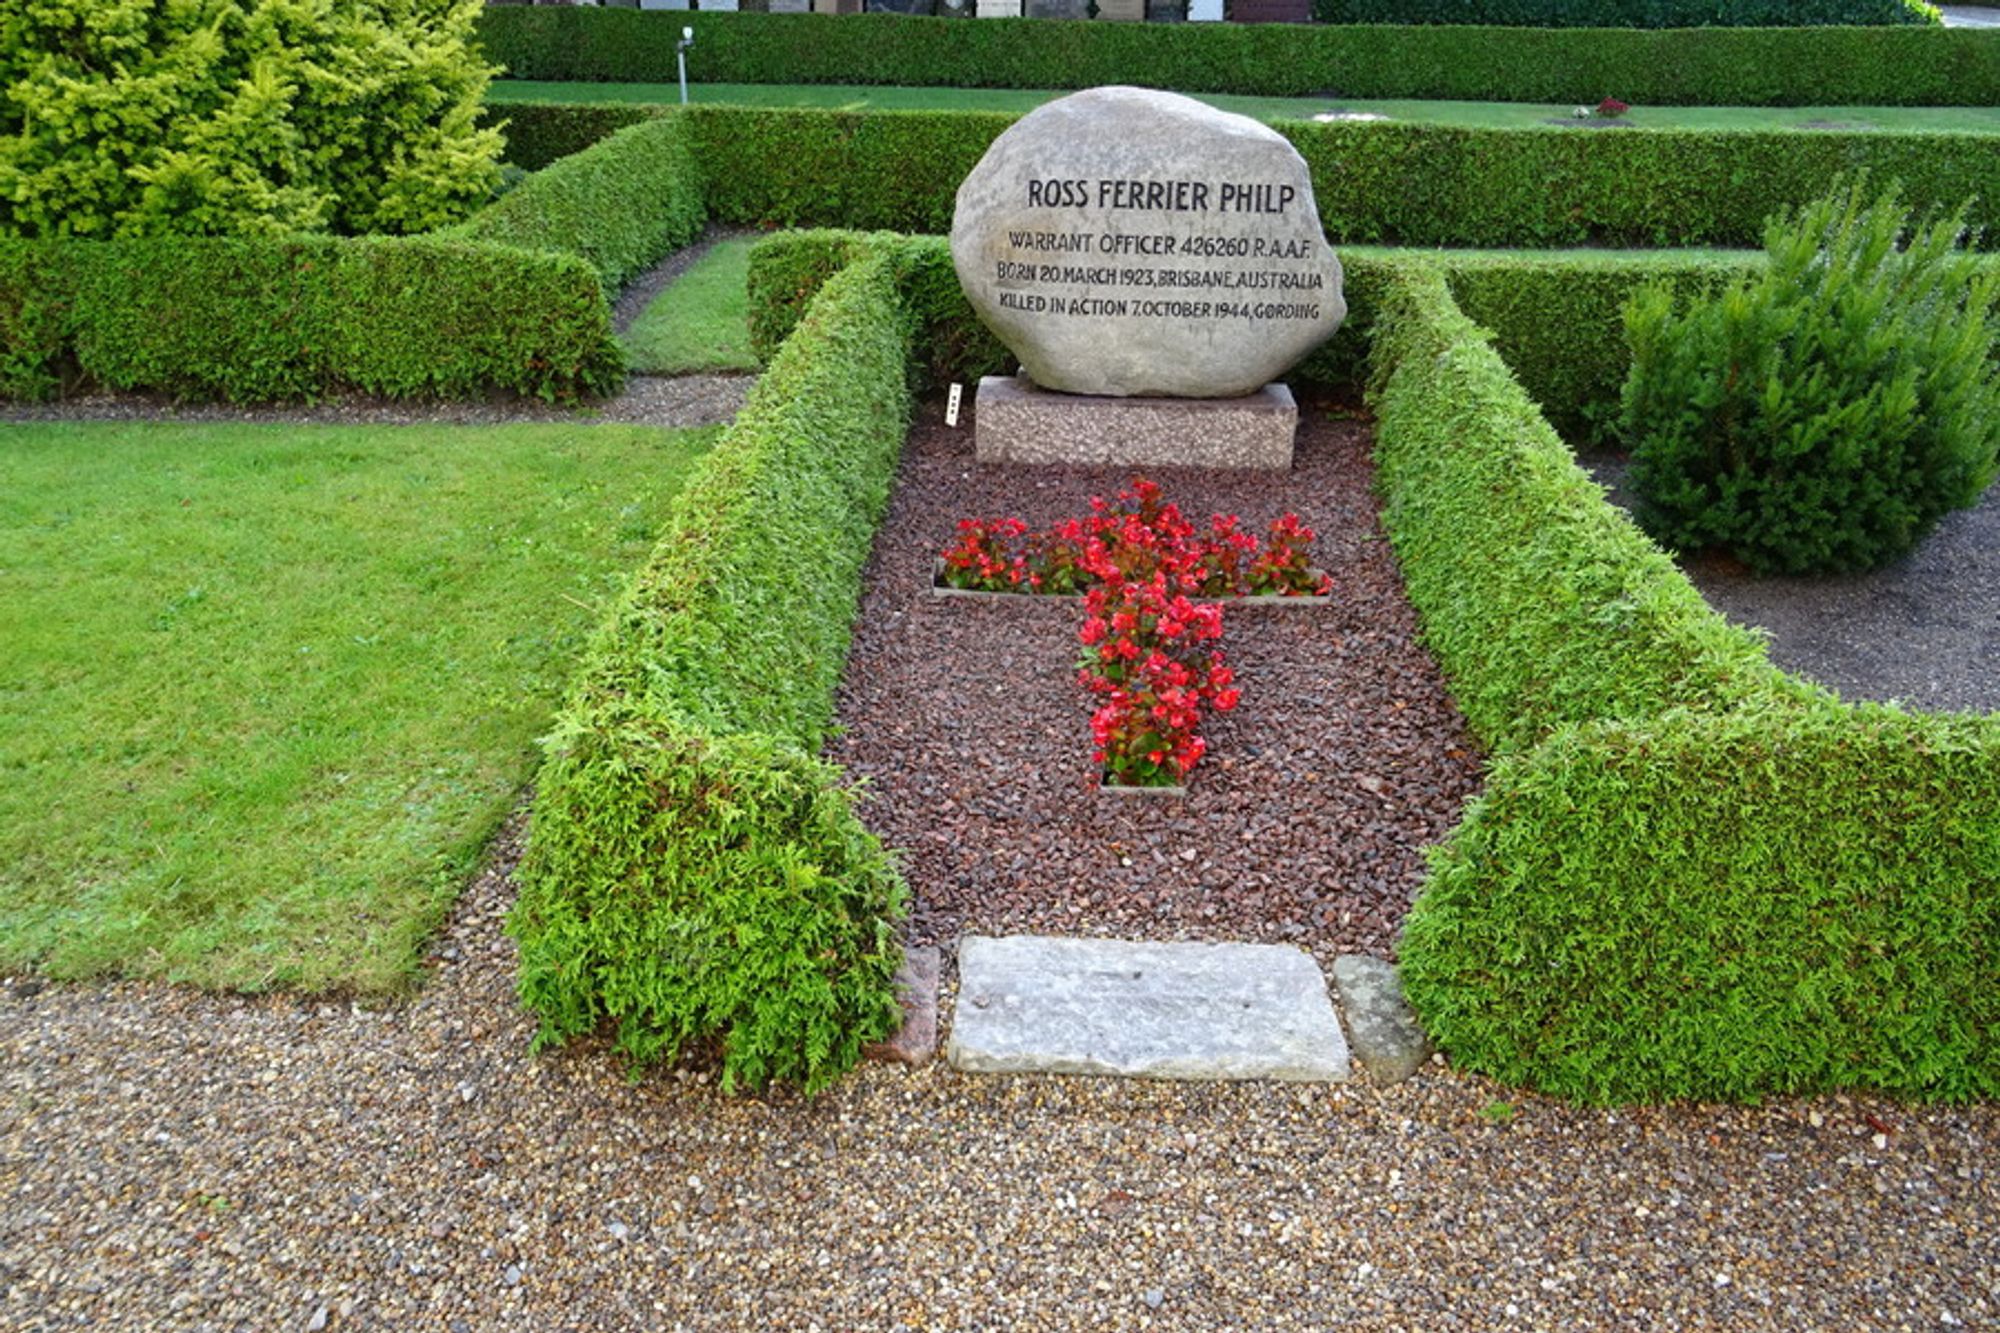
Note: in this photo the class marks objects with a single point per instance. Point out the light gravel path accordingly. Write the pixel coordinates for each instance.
(178, 1161)
(1924, 631)
(648, 400)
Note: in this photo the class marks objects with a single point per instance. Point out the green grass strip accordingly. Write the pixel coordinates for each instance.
(266, 691)
(701, 321)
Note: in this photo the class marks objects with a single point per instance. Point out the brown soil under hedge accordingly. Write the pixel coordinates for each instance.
(1304, 824)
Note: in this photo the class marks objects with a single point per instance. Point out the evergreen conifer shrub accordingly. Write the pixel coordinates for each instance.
(1825, 414)
(241, 117)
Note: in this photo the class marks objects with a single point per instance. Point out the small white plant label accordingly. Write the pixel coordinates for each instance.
(951, 405)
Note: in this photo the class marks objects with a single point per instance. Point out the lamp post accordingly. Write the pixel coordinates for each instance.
(681, 58)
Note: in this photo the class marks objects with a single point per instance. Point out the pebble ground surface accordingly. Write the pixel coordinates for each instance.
(1923, 631)
(171, 1160)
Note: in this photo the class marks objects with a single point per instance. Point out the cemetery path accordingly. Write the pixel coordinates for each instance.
(173, 1160)
(1303, 825)
(639, 293)
(648, 400)
(1924, 631)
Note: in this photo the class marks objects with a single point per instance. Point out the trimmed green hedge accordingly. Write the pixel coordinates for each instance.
(619, 205)
(1428, 185)
(1544, 605)
(1555, 319)
(1633, 13)
(788, 269)
(693, 870)
(538, 135)
(1404, 185)
(1725, 907)
(251, 321)
(1689, 875)
(1713, 66)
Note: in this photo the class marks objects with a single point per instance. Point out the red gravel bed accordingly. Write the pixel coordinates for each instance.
(1306, 822)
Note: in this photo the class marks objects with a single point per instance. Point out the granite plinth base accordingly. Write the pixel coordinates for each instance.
(1017, 421)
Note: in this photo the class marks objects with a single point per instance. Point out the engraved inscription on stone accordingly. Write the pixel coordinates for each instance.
(1122, 241)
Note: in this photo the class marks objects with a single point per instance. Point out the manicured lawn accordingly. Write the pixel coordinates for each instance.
(266, 691)
(701, 321)
(1501, 114)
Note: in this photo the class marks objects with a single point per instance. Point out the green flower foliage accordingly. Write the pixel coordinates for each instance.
(619, 204)
(1725, 907)
(1395, 57)
(1824, 415)
(693, 872)
(240, 117)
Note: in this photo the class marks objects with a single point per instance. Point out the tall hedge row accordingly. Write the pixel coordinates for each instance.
(620, 204)
(1688, 875)
(1403, 185)
(694, 871)
(1633, 13)
(1701, 66)
(249, 321)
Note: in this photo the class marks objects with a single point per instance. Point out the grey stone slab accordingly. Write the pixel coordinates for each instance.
(1125, 241)
(1031, 1004)
(1017, 421)
(1388, 1040)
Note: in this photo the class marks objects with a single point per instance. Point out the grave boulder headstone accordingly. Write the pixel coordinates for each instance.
(1127, 242)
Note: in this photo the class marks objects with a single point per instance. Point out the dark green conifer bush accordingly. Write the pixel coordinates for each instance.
(1825, 414)
(240, 117)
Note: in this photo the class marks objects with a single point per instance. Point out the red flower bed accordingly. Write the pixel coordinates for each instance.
(1147, 656)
